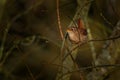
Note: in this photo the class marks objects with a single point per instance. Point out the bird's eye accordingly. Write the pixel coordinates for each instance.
(72, 29)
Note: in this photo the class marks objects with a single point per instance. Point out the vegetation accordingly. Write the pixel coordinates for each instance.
(36, 42)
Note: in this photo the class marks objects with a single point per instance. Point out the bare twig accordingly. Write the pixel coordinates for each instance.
(91, 67)
(59, 23)
(114, 10)
(7, 54)
(62, 37)
(112, 38)
(30, 73)
(106, 20)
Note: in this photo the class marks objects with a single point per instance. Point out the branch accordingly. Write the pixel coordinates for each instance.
(59, 23)
(91, 67)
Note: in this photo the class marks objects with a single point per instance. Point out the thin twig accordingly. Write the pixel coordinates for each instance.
(91, 67)
(30, 73)
(106, 20)
(7, 54)
(83, 6)
(59, 23)
(114, 10)
(112, 38)
(62, 37)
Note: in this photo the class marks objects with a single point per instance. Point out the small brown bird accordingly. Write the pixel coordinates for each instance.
(77, 34)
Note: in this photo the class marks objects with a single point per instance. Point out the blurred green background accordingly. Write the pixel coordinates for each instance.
(34, 24)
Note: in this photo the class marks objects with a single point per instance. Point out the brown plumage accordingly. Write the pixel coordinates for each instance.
(77, 34)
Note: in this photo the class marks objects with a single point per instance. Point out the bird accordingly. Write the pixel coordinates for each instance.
(77, 34)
